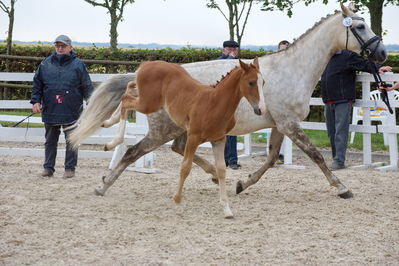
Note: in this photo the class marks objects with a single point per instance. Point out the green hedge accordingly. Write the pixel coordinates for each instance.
(184, 55)
(393, 61)
(135, 56)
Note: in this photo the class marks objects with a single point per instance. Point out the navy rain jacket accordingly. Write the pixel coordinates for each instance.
(60, 84)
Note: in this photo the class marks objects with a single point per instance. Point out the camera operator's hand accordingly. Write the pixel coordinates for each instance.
(37, 108)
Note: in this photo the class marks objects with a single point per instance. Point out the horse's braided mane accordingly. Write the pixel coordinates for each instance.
(224, 77)
(321, 21)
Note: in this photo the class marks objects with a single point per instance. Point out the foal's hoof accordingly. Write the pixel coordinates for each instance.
(177, 199)
(106, 148)
(239, 187)
(346, 195)
(215, 180)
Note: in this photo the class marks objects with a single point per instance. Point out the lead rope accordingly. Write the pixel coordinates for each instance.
(16, 124)
(27, 128)
(27, 125)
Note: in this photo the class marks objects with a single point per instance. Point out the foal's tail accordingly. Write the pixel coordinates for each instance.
(102, 103)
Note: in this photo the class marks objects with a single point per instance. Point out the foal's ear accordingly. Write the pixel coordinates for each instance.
(243, 65)
(256, 63)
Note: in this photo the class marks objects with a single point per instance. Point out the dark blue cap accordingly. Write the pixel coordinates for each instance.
(230, 44)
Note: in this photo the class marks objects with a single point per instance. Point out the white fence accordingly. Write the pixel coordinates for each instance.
(135, 131)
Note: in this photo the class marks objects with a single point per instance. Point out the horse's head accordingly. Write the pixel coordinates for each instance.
(357, 36)
(251, 85)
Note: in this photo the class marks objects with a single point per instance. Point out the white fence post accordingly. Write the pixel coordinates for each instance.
(139, 129)
(392, 133)
(247, 145)
(287, 150)
(366, 121)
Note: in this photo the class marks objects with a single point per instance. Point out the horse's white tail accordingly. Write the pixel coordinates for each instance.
(102, 103)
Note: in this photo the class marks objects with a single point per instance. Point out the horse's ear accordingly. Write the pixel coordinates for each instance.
(346, 11)
(256, 63)
(243, 65)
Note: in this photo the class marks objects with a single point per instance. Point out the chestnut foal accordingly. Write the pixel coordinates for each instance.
(206, 112)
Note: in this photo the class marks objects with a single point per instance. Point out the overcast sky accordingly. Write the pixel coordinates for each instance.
(185, 22)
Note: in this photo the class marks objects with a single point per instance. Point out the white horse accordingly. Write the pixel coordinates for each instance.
(290, 78)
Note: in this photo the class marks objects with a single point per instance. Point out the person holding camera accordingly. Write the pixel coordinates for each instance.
(393, 87)
(230, 51)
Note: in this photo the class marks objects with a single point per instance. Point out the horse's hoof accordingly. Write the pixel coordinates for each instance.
(239, 187)
(106, 148)
(228, 214)
(98, 191)
(346, 195)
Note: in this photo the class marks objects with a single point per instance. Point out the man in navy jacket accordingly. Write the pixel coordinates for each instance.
(230, 51)
(339, 93)
(60, 85)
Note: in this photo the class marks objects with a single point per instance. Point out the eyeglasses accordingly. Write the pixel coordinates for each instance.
(63, 46)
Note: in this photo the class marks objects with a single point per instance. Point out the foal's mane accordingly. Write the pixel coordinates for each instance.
(224, 77)
(321, 21)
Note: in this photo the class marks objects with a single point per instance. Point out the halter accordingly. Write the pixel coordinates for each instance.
(364, 45)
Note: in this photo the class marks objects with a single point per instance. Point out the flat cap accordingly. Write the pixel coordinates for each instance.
(230, 44)
(64, 39)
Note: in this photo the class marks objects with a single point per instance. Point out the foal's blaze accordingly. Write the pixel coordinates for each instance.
(251, 86)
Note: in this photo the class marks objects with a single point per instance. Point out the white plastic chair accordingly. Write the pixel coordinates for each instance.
(379, 113)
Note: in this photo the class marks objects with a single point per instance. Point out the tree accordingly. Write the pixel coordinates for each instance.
(271, 5)
(238, 11)
(10, 13)
(115, 9)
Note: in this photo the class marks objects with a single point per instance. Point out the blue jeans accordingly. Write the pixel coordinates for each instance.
(230, 150)
(50, 148)
(337, 121)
